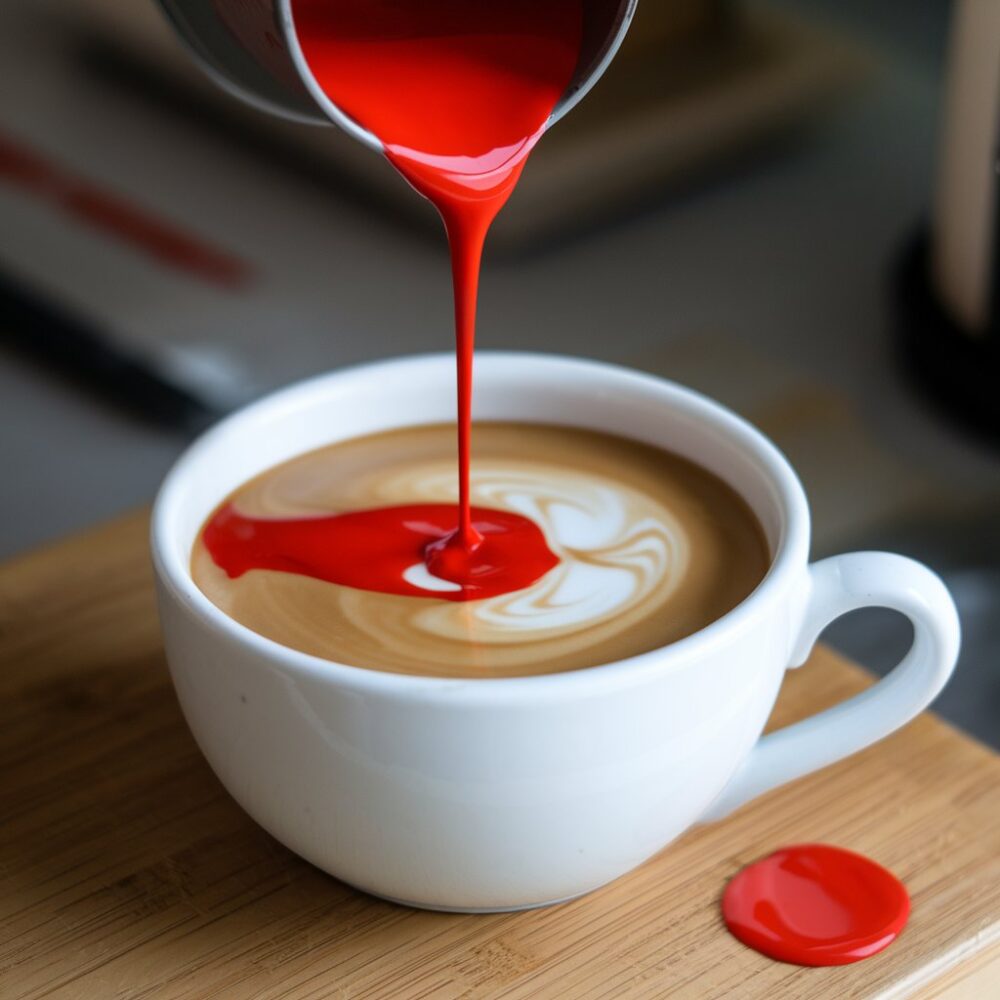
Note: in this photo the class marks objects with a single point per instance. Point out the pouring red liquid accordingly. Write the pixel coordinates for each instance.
(459, 92)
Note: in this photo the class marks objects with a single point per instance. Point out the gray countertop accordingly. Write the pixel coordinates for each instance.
(787, 257)
(781, 266)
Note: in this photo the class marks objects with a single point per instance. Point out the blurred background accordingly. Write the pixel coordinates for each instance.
(740, 205)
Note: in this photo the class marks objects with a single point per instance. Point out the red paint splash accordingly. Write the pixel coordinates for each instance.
(373, 549)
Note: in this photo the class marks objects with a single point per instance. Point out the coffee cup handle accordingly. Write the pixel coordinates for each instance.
(836, 586)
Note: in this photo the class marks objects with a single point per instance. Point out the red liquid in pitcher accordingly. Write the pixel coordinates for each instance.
(458, 92)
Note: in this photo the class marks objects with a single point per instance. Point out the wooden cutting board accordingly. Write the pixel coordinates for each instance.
(127, 872)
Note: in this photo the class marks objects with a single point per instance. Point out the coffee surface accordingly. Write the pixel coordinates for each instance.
(650, 548)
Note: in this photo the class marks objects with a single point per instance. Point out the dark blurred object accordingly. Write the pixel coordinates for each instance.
(948, 287)
(697, 84)
(59, 341)
(959, 370)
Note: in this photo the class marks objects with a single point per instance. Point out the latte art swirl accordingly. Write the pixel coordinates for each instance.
(650, 548)
(615, 546)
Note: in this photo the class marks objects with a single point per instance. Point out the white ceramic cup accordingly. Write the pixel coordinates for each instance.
(511, 793)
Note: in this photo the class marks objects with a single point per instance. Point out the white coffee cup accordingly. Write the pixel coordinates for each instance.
(511, 793)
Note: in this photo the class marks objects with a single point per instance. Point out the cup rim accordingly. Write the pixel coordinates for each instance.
(790, 552)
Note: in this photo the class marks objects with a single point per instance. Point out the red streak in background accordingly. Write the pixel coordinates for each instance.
(459, 92)
(112, 215)
(372, 549)
(816, 905)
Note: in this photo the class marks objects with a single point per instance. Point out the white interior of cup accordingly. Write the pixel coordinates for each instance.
(512, 387)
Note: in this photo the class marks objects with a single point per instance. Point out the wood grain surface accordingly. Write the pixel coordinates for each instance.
(126, 871)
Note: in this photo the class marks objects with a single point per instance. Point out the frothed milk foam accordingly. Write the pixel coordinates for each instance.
(649, 548)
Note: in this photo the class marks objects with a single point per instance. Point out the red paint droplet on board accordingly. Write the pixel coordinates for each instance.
(816, 905)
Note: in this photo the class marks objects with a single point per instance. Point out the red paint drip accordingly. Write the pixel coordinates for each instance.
(816, 905)
(373, 549)
(114, 216)
(459, 92)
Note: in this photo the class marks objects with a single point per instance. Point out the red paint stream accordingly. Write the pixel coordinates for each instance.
(813, 904)
(459, 92)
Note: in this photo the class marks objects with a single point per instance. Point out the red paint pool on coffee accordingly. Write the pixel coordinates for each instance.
(378, 549)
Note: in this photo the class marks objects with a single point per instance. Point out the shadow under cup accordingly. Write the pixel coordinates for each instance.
(479, 794)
